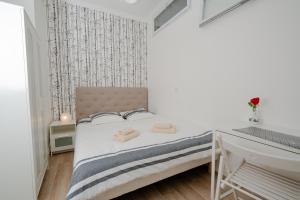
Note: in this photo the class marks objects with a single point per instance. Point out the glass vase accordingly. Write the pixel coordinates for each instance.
(254, 119)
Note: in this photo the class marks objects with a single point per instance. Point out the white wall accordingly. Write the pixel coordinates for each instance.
(208, 74)
(27, 4)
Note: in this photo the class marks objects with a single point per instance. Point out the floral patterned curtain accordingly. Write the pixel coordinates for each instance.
(92, 48)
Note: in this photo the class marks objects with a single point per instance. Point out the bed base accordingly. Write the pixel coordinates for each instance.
(150, 179)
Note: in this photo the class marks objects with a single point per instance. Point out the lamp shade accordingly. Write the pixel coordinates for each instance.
(65, 117)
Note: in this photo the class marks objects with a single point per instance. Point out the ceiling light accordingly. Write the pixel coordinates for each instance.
(131, 1)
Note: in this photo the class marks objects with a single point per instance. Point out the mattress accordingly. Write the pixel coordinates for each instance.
(104, 168)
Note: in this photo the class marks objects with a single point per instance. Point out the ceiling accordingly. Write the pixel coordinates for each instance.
(141, 9)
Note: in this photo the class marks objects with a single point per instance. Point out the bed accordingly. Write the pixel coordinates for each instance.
(104, 168)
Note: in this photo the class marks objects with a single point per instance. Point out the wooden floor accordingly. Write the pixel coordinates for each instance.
(191, 185)
(56, 182)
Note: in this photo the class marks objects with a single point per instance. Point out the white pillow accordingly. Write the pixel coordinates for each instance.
(140, 115)
(84, 120)
(107, 119)
(131, 112)
(97, 114)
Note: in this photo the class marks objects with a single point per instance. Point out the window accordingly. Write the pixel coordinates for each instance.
(174, 9)
(213, 9)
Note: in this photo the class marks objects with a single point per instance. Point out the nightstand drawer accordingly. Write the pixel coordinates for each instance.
(63, 141)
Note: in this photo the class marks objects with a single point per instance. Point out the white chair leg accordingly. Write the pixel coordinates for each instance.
(220, 176)
(235, 196)
(213, 166)
(226, 163)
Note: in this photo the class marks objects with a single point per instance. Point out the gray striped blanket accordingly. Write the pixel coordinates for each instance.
(99, 171)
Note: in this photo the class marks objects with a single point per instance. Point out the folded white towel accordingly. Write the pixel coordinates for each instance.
(164, 130)
(126, 131)
(163, 125)
(121, 136)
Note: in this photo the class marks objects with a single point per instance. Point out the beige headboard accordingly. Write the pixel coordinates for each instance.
(98, 99)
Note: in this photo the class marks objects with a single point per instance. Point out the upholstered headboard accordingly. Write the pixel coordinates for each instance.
(98, 99)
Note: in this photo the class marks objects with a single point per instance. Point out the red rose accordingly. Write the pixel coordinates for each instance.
(255, 101)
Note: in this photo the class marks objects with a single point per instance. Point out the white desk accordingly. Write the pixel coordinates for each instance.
(266, 147)
(278, 158)
(240, 125)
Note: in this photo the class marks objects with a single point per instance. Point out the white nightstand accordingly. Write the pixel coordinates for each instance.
(62, 135)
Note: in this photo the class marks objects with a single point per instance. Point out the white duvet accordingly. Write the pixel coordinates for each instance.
(94, 140)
